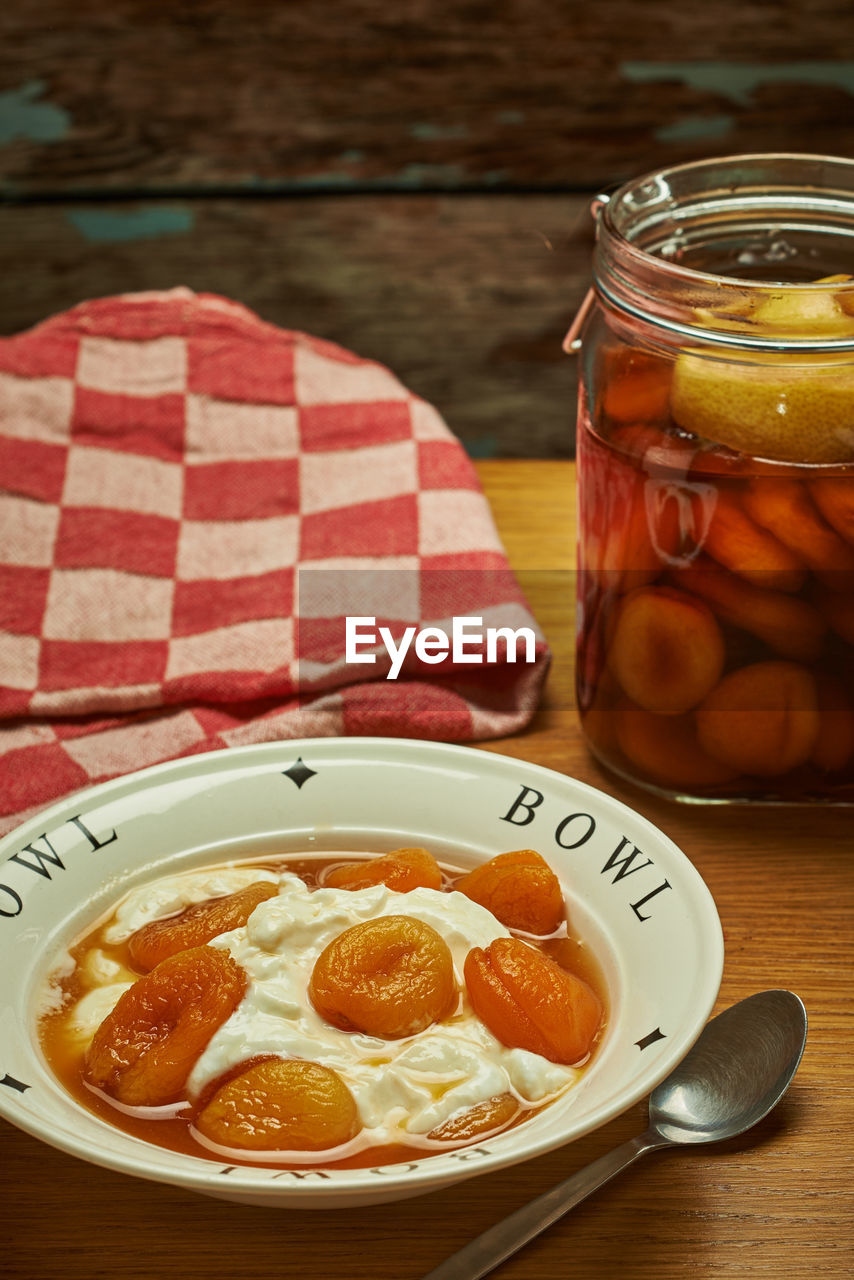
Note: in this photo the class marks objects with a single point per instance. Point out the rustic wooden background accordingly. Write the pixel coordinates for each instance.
(411, 180)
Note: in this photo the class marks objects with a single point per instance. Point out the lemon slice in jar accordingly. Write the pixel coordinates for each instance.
(792, 407)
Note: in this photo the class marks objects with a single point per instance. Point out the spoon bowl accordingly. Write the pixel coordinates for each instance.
(735, 1073)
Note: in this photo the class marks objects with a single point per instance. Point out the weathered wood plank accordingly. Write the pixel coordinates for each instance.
(427, 94)
(466, 298)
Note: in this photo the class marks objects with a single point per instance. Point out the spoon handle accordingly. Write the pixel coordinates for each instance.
(501, 1241)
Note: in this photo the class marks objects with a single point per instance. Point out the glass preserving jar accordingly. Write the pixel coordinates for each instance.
(715, 460)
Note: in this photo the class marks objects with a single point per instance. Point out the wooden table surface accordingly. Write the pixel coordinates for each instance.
(776, 1203)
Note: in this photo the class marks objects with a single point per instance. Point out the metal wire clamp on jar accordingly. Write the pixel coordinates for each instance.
(715, 657)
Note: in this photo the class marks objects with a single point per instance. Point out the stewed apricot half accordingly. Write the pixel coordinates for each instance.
(520, 889)
(751, 550)
(529, 1002)
(476, 1122)
(785, 508)
(667, 650)
(834, 499)
(281, 1104)
(196, 925)
(665, 749)
(636, 386)
(762, 719)
(389, 977)
(788, 624)
(401, 871)
(144, 1050)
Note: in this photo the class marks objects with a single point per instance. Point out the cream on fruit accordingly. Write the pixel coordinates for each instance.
(403, 1088)
(170, 894)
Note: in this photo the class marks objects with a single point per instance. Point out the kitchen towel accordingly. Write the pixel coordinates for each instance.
(192, 503)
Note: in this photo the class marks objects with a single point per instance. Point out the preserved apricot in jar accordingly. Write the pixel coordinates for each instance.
(529, 1002)
(748, 549)
(389, 977)
(638, 386)
(479, 1120)
(144, 1050)
(400, 871)
(762, 719)
(834, 499)
(196, 925)
(520, 889)
(785, 508)
(666, 748)
(281, 1104)
(790, 625)
(667, 650)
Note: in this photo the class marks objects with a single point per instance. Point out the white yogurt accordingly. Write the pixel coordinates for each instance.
(92, 1008)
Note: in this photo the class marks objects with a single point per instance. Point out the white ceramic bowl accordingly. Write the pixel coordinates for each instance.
(632, 895)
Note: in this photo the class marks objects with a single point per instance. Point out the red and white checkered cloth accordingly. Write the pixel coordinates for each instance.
(171, 467)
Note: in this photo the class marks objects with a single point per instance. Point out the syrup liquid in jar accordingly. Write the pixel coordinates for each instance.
(715, 657)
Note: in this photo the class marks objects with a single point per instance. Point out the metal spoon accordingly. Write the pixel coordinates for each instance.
(737, 1071)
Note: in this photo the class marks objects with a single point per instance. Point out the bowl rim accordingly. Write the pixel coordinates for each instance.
(433, 1171)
